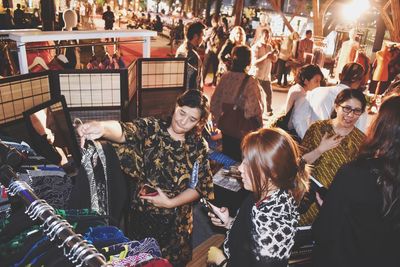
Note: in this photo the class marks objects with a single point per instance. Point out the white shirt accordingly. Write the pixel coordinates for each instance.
(321, 101)
(296, 98)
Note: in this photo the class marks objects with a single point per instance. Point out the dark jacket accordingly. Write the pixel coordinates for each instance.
(350, 229)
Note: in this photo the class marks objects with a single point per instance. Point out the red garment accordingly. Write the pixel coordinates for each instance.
(363, 59)
(37, 68)
(158, 263)
(55, 65)
(47, 54)
(381, 72)
(305, 46)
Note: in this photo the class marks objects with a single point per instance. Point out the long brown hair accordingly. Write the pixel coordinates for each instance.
(273, 155)
(383, 142)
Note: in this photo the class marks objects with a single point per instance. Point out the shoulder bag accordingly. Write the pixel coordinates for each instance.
(232, 121)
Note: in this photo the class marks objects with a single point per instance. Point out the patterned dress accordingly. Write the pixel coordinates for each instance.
(263, 232)
(326, 166)
(151, 156)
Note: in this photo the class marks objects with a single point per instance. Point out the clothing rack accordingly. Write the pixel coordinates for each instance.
(76, 249)
(81, 45)
(25, 37)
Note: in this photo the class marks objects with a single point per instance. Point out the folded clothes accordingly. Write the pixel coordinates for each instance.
(148, 245)
(103, 236)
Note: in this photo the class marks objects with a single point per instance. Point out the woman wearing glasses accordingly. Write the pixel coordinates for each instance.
(358, 224)
(329, 144)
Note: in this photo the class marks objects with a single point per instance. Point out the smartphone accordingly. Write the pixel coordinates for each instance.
(148, 190)
(316, 186)
(207, 204)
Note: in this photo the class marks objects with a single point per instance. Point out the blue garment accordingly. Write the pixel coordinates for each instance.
(102, 236)
(221, 158)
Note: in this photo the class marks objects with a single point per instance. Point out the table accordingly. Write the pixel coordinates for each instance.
(21, 38)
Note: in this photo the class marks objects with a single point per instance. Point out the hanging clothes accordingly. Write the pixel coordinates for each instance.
(100, 184)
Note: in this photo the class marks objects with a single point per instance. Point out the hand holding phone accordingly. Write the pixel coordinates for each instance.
(316, 186)
(219, 218)
(148, 190)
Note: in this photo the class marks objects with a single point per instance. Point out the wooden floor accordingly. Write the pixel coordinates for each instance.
(199, 258)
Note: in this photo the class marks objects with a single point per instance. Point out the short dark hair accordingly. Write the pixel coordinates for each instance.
(308, 32)
(347, 94)
(352, 72)
(307, 73)
(196, 99)
(241, 58)
(194, 28)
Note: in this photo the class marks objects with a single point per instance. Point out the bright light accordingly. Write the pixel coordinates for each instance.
(353, 10)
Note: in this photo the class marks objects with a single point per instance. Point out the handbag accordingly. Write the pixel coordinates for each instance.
(283, 121)
(232, 121)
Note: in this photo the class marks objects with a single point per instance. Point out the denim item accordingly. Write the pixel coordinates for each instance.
(103, 236)
(21, 147)
(221, 158)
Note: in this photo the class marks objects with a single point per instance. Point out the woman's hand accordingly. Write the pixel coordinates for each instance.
(327, 143)
(215, 256)
(90, 131)
(220, 217)
(161, 200)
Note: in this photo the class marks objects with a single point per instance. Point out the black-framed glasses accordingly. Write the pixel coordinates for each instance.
(348, 109)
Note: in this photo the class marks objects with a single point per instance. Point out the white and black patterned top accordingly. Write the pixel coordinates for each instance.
(272, 228)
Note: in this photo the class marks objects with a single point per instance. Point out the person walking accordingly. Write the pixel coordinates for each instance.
(109, 19)
(19, 17)
(214, 41)
(305, 46)
(262, 58)
(193, 39)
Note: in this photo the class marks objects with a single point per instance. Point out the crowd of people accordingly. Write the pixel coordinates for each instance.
(355, 224)
(326, 130)
(19, 19)
(326, 136)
